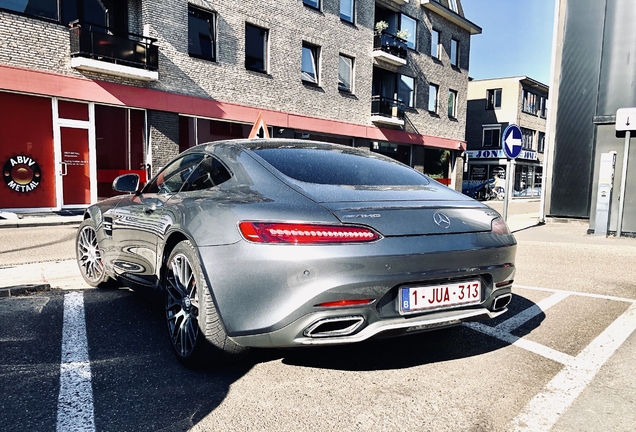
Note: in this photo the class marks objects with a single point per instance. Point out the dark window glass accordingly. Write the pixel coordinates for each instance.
(493, 99)
(491, 137)
(309, 66)
(201, 34)
(208, 174)
(340, 167)
(42, 8)
(255, 48)
(175, 175)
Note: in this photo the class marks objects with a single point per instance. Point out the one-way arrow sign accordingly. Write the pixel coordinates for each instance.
(511, 141)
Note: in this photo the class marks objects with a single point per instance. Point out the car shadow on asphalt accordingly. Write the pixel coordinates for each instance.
(139, 385)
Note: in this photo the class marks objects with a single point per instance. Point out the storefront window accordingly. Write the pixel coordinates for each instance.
(26, 152)
(120, 140)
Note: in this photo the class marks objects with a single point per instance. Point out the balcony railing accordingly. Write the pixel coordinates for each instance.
(392, 45)
(386, 110)
(97, 42)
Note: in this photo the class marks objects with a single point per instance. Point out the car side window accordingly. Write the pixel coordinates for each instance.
(175, 175)
(209, 173)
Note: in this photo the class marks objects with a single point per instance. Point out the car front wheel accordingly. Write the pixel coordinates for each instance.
(89, 256)
(196, 332)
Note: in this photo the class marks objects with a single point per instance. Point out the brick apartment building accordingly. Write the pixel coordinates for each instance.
(91, 89)
(493, 104)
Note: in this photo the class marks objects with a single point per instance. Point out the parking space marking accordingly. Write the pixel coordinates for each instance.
(521, 318)
(75, 401)
(545, 409)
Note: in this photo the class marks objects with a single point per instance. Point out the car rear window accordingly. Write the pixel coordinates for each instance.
(336, 167)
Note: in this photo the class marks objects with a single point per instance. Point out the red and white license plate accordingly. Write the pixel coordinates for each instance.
(417, 298)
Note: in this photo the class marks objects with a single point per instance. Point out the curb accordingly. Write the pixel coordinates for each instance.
(35, 223)
(17, 290)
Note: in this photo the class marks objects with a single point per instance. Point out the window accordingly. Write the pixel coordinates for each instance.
(345, 74)
(201, 34)
(347, 10)
(529, 103)
(493, 98)
(491, 136)
(174, 176)
(309, 66)
(406, 90)
(433, 89)
(452, 103)
(452, 4)
(527, 137)
(312, 3)
(541, 142)
(409, 25)
(454, 52)
(256, 48)
(435, 44)
(208, 174)
(543, 107)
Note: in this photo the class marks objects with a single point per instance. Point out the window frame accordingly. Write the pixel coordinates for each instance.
(452, 5)
(529, 102)
(352, 18)
(435, 50)
(315, 4)
(315, 50)
(411, 102)
(452, 108)
(265, 53)
(212, 21)
(493, 143)
(436, 99)
(454, 59)
(351, 73)
(541, 142)
(527, 135)
(412, 39)
(491, 98)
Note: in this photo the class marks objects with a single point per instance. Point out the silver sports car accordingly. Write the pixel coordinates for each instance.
(284, 243)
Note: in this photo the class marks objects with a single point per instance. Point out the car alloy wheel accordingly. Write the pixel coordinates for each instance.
(182, 305)
(89, 256)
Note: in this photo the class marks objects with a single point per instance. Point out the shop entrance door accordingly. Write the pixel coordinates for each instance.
(75, 169)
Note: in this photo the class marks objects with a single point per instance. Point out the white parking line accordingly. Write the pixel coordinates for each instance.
(521, 318)
(75, 402)
(545, 409)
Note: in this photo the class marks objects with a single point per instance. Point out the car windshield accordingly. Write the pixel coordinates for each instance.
(336, 167)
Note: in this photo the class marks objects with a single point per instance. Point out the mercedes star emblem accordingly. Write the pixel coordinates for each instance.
(441, 220)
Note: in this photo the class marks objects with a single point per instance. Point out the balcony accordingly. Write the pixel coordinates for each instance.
(390, 49)
(95, 48)
(385, 111)
(400, 2)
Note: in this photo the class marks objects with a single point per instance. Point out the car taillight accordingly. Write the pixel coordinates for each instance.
(500, 227)
(267, 232)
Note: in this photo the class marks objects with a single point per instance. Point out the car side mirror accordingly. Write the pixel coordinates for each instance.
(128, 183)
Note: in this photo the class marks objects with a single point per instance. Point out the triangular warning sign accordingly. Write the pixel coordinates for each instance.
(259, 130)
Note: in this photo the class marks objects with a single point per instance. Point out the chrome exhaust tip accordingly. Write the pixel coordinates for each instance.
(501, 302)
(334, 327)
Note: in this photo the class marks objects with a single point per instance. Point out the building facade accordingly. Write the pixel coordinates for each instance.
(493, 104)
(93, 89)
(594, 76)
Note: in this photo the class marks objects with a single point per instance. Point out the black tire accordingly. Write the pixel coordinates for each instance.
(89, 256)
(195, 330)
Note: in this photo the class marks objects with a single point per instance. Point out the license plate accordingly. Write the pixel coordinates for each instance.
(413, 299)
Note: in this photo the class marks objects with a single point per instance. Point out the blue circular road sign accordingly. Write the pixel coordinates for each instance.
(512, 141)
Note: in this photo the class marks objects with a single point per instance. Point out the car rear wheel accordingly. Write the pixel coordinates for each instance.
(196, 332)
(89, 256)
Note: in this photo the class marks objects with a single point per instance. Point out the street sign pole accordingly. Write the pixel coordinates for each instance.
(505, 205)
(624, 122)
(511, 143)
(621, 199)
